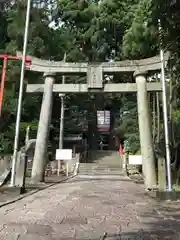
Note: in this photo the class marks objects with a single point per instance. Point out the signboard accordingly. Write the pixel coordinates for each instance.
(135, 159)
(94, 76)
(103, 121)
(64, 154)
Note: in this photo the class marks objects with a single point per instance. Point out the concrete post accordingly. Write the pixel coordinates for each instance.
(145, 131)
(40, 155)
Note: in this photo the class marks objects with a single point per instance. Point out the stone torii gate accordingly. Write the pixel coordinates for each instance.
(95, 83)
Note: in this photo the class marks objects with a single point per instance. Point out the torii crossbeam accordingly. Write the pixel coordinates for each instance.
(94, 72)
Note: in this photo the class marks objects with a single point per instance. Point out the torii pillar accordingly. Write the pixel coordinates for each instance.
(40, 155)
(146, 143)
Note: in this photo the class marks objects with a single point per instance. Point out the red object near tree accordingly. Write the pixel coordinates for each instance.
(3, 75)
(121, 152)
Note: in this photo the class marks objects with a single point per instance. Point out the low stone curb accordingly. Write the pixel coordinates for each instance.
(13, 200)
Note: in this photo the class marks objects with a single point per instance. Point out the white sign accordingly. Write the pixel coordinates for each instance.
(64, 154)
(103, 119)
(135, 159)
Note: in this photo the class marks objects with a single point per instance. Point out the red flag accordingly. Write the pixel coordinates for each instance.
(121, 150)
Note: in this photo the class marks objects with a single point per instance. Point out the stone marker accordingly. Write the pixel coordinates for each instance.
(161, 174)
(21, 170)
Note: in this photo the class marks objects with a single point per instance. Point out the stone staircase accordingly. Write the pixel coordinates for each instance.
(105, 162)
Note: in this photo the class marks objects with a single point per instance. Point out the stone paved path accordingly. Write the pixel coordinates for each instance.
(89, 207)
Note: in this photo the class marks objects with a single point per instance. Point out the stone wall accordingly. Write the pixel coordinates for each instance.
(4, 163)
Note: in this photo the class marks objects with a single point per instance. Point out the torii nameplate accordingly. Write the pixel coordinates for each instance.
(94, 76)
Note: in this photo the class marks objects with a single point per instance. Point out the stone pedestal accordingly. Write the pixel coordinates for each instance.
(146, 143)
(40, 155)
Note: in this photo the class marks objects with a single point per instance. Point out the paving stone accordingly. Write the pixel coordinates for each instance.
(143, 235)
(74, 220)
(9, 236)
(35, 237)
(54, 217)
(94, 222)
(14, 228)
(83, 234)
(39, 229)
(63, 231)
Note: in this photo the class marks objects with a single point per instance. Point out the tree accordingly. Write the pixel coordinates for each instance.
(141, 39)
(12, 33)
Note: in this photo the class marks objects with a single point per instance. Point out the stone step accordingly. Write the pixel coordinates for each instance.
(96, 168)
(100, 164)
(106, 170)
(104, 162)
(109, 166)
(99, 168)
(101, 173)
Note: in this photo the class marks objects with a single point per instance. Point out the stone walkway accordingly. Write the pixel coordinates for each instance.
(90, 207)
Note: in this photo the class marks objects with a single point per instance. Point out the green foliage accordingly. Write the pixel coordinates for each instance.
(127, 124)
(177, 116)
(9, 102)
(140, 40)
